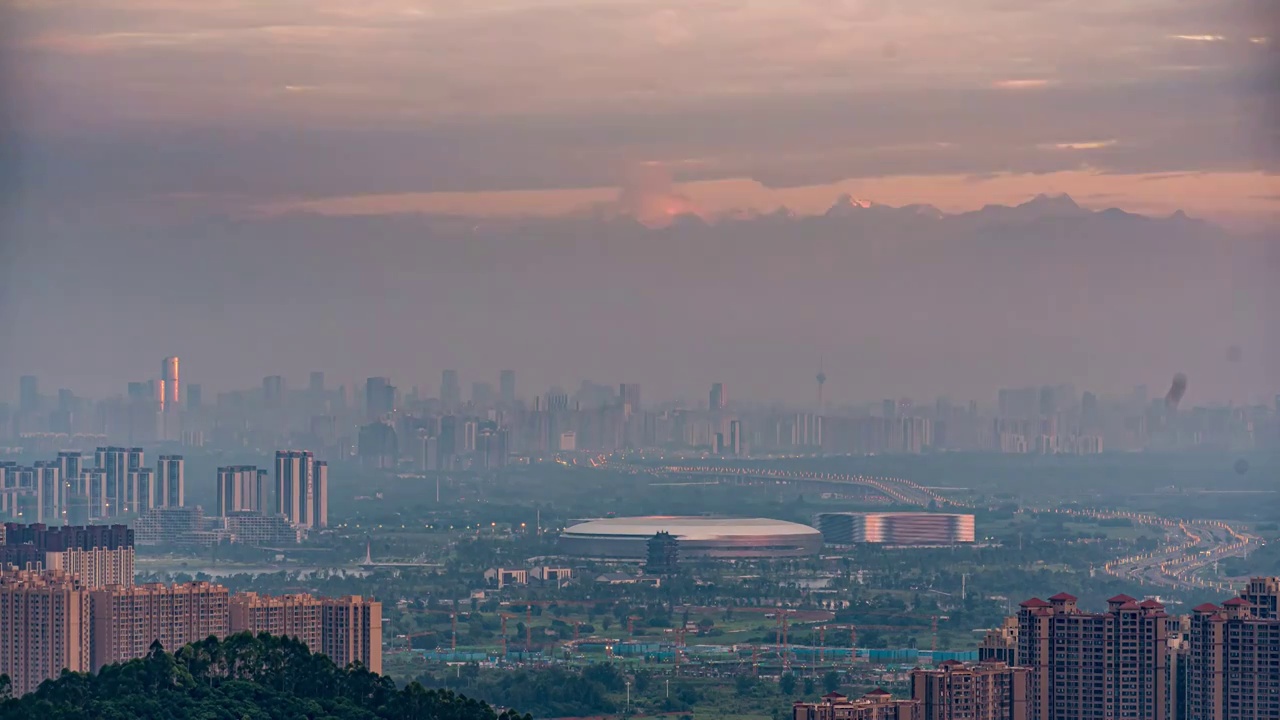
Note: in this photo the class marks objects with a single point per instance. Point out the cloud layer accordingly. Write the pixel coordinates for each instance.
(127, 100)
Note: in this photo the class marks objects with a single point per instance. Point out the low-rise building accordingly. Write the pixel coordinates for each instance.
(986, 691)
(503, 577)
(875, 705)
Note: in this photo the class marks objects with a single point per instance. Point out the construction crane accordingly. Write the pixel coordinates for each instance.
(782, 642)
(504, 617)
(408, 639)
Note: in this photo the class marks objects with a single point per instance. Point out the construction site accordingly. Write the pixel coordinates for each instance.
(803, 643)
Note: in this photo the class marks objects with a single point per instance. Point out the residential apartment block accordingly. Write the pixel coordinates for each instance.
(97, 555)
(1233, 657)
(44, 616)
(1113, 665)
(987, 691)
(127, 620)
(345, 629)
(875, 705)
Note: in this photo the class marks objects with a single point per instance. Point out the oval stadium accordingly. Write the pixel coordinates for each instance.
(705, 537)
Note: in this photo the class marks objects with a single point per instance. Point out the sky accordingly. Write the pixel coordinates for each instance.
(139, 115)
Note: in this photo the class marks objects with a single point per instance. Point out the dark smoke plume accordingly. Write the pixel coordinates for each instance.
(1176, 391)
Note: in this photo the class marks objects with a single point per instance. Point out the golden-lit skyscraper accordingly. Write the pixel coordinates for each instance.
(170, 391)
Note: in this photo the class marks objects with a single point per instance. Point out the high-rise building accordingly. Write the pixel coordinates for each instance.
(449, 444)
(302, 488)
(318, 503)
(293, 474)
(450, 390)
(507, 388)
(171, 394)
(50, 491)
(127, 620)
(171, 484)
(345, 629)
(469, 428)
(28, 394)
(69, 466)
(955, 691)
(1095, 666)
(717, 399)
(297, 616)
(315, 383)
(114, 462)
(378, 445)
(735, 438)
(629, 394)
(241, 488)
(140, 491)
(1000, 644)
(195, 396)
(430, 459)
(273, 391)
(351, 631)
(93, 494)
(135, 458)
(492, 447)
(379, 398)
(45, 620)
(1233, 658)
(97, 555)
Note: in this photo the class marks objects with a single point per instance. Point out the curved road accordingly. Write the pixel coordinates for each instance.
(1191, 546)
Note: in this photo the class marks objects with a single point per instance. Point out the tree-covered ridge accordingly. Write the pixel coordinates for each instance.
(241, 677)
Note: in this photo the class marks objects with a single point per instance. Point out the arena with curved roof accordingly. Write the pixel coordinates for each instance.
(726, 538)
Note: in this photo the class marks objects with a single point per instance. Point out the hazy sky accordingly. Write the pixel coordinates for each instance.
(138, 116)
(248, 103)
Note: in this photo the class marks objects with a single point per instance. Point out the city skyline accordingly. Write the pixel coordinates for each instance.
(390, 396)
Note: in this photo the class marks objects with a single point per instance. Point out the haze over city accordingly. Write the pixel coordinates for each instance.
(354, 185)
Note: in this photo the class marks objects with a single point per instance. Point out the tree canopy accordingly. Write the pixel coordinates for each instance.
(241, 677)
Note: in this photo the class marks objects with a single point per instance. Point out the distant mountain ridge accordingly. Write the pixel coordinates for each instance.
(1040, 207)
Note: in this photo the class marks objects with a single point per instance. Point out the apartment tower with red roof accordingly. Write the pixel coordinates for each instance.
(1112, 665)
(1233, 660)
